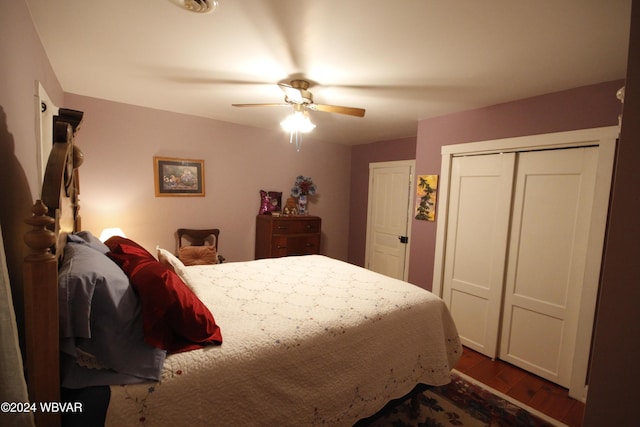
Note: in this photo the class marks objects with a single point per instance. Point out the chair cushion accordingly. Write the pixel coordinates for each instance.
(198, 255)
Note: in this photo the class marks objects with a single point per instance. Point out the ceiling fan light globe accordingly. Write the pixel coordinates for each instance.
(297, 122)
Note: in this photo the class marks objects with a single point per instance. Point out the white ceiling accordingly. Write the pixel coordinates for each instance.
(401, 60)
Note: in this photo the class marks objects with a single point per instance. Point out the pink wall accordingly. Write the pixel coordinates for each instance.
(580, 108)
(120, 140)
(23, 62)
(361, 156)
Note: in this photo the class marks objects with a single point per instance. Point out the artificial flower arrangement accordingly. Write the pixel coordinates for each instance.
(303, 186)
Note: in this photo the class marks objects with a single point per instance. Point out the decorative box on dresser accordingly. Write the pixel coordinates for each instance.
(278, 236)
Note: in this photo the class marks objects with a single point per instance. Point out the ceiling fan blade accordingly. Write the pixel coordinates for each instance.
(350, 111)
(260, 105)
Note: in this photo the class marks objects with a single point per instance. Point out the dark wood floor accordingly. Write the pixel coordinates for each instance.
(540, 394)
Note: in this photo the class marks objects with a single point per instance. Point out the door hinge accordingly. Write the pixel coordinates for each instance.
(404, 239)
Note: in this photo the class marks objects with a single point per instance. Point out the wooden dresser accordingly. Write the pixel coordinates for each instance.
(287, 235)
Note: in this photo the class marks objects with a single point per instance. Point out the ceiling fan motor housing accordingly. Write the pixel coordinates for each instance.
(303, 96)
(297, 95)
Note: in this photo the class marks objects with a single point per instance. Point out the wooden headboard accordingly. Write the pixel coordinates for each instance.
(54, 216)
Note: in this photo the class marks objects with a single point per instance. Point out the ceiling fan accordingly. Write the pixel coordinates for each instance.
(296, 94)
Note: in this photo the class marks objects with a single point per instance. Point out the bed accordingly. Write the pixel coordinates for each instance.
(297, 341)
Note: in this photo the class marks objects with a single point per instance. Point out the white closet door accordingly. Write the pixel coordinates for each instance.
(545, 268)
(477, 234)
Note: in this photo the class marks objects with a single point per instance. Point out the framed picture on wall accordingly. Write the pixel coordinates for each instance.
(426, 189)
(178, 177)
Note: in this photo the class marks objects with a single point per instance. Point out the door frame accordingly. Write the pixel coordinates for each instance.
(45, 110)
(605, 138)
(370, 202)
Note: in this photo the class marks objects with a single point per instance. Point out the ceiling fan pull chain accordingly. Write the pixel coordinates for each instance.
(298, 141)
(297, 137)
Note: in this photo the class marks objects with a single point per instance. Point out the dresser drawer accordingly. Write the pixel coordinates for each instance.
(280, 226)
(295, 245)
(287, 235)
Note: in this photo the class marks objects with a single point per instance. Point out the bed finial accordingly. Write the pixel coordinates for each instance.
(40, 238)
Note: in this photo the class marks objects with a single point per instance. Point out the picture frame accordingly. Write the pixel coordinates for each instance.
(426, 192)
(175, 177)
(270, 202)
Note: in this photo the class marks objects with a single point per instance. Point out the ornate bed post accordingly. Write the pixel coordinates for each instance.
(55, 215)
(41, 315)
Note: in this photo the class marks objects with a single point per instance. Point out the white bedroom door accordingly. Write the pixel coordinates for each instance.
(477, 237)
(389, 217)
(552, 205)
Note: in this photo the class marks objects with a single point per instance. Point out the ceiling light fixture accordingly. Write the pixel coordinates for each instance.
(199, 6)
(296, 124)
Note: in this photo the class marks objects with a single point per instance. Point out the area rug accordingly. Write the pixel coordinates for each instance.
(463, 402)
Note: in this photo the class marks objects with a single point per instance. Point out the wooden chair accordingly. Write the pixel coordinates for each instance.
(199, 237)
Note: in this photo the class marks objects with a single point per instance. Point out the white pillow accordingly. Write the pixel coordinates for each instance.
(171, 261)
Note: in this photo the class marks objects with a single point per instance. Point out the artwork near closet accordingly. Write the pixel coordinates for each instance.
(426, 190)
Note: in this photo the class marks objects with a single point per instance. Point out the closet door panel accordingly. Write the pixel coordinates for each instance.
(480, 193)
(550, 224)
(532, 335)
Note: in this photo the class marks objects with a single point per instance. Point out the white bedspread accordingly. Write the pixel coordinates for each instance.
(307, 341)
